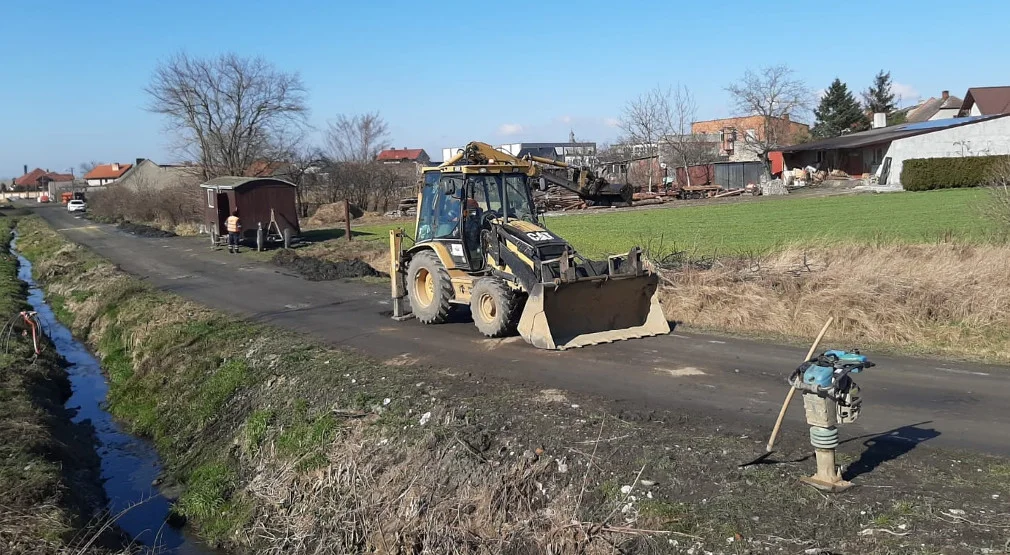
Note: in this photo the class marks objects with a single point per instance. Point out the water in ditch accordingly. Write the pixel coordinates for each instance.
(130, 464)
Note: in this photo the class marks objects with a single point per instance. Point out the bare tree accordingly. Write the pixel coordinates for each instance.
(353, 143)
(775, 95)
(358, 138)
(645, 121)
(658, 123)
(86, 167)
(230, 111)
(686, 148)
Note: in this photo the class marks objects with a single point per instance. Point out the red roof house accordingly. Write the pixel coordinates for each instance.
(30, 179)
(392, 155)
(103, 174)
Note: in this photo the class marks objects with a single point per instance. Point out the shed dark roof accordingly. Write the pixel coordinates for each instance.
(886, 134)
(990, 100)
(235, 182)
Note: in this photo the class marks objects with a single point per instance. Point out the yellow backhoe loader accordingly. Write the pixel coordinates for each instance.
(479, 242)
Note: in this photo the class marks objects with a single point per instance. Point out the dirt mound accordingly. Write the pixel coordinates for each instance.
(329, 214)
(317, 269)
(143, 230)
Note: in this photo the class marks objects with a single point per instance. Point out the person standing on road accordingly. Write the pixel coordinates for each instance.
(234, 227)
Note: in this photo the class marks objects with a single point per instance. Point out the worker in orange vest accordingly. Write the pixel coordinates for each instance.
(234, 227)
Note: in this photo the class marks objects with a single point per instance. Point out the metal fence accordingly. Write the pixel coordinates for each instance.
(736, 175)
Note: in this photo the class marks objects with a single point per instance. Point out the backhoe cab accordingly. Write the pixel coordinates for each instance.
(480, 243)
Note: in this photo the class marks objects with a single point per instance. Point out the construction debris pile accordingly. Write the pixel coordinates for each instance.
(804, 177)
(406, 208)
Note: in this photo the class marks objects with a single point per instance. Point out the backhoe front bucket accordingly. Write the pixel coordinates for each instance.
(591, 311)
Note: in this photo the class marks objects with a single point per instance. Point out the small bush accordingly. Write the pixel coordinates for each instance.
(168, 206)
(926, 174)
(997, 208)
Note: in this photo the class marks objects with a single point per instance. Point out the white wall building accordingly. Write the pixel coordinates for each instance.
(987, 136)
(882, 152)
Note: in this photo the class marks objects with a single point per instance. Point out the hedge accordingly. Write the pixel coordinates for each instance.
(925, 174)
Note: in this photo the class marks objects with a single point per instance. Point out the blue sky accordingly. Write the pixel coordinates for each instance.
(448, 72)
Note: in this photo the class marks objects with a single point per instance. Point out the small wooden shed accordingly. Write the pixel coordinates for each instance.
(261, 201)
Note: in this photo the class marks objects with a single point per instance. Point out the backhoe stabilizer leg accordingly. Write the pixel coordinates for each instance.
(398, 276)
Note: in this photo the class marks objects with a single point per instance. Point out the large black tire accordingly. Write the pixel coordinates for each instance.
(495, 307)
(429, 288)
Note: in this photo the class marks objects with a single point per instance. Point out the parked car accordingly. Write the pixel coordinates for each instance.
(77, 206)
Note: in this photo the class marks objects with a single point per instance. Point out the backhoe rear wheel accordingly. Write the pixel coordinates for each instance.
(495, 307)
(429, 288)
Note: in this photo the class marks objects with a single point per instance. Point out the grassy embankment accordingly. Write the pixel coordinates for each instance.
(917, 273)
(51, 496)
(282, 442)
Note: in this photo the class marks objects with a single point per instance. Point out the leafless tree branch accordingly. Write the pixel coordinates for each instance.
(229, 111)
(774, 94)
(358, 138)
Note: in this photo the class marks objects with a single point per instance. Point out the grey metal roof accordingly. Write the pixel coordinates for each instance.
(886, 134)
(234, 182)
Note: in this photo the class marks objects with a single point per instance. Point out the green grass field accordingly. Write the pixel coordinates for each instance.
(770, 224)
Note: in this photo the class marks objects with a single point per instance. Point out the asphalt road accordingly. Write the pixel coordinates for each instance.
(723, 377)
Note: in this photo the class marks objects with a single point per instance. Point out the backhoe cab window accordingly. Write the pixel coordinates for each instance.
(487, 191)
(427, 209)
(517, 199)
(450, 207)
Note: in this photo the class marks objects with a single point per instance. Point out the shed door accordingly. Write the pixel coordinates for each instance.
(223, 212)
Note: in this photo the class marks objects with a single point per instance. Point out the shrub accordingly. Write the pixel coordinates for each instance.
(926, 174)
(168, 206)
(997, 207)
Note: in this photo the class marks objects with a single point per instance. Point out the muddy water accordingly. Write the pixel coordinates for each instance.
(129, 464)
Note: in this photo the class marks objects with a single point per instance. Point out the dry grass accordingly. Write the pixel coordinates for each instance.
(946, 299)
(415, 499)
(318, 450)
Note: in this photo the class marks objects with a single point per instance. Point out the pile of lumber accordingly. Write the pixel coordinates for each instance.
(406, 207)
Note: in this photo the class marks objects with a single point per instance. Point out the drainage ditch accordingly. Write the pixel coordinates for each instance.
(130, 465)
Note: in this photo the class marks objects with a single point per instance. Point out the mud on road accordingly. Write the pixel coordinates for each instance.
(143, 230)
(318, 269)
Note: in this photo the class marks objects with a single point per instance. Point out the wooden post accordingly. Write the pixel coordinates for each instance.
(347, 218)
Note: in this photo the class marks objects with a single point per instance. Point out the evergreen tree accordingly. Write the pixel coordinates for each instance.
(879, 98)
(838, 112)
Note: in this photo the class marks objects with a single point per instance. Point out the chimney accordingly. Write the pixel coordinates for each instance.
(879, 120)
(139, 160)
(945, 95)
(26, 170)
(115, 166)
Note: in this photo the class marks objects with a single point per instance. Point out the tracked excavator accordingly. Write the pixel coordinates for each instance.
(479, 242)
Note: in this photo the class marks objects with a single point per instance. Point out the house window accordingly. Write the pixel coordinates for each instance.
(210, 198)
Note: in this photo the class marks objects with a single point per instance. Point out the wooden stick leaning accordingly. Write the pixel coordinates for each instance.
(792, 390)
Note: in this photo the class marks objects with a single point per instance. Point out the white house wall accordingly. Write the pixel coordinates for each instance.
(990, 137)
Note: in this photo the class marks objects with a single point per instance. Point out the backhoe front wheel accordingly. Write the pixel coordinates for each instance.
(429, 288)
(495, 307)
